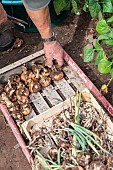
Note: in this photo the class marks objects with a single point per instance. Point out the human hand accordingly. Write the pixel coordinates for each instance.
(53, 50)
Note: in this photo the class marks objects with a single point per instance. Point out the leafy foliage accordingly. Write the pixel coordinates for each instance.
(88, 54)
(61, 5)
(107, 6)
(105, 64)
(75, 6)
(95, 7)
(103, 10)
(102, 27)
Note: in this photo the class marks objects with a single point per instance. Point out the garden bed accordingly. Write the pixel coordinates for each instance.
(55, 97)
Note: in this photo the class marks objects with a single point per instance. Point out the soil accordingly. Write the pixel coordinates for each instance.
(72, 36)
(11, 155)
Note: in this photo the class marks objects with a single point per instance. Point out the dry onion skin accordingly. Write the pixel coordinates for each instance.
(46, 71)
(97, 165)
(26, 74)
(110, 163)
(1, 88)
(15, 94)
(22, 90)
(14, 79)
(23, 99)
(36, 70)
(25, 109)
(56, 73)
(34, 87)
(83, 158)
(45, 81)
(9, 89)
(7, 102)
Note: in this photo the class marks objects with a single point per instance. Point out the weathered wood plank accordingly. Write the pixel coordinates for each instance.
(31, 115)
(39, 102)
(39, 119)
(65, 88)
(52, 95)
(21, 62)
(73, 78)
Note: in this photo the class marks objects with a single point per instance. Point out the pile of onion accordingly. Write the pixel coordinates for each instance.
(15, 93)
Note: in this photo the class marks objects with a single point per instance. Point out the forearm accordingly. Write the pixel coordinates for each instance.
(41, 18)
(39, 14)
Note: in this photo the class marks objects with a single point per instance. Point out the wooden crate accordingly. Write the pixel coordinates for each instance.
(66, 88)
(54, 98)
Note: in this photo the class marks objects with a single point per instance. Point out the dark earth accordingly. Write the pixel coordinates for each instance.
(72, 34)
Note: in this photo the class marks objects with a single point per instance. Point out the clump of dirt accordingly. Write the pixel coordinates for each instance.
(11, 155)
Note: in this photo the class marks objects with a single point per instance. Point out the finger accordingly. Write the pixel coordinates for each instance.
(49, 63)
(60, 61)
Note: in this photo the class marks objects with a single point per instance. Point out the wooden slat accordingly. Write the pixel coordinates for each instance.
(39, 102)
(31, 115)
(52, 95)
(39, 119)
(4, 77)
(21, 62)
(73, 78)
(65, 88)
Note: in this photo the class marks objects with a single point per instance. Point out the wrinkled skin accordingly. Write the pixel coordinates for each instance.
(53, 50)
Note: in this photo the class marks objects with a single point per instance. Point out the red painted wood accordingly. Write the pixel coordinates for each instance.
(16, 133)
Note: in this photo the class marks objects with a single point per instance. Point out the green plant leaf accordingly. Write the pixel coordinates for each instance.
(87, 135)
(78, 127)
(60, 5)
(81, 140)
(42, 160)
(100, 16)
(111, 72)
(98, 46)
(110, 33)
(88, 141)
(85, 6)
(94, 8)
(75, 126)
(102, 27)
(107, 6)
(88, 54)
(75, 6)
(104, 66)
(99, 56)
(92, 146)
(103, 37)
(108, 42)
(110, 20)
(58, 157)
